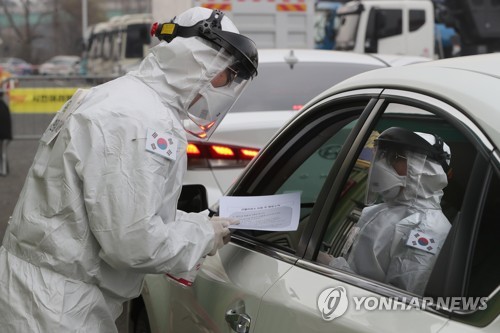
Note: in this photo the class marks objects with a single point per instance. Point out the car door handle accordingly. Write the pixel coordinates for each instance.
(239, 322)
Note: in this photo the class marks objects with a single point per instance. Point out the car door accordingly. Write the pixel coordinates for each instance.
(275, 281)
(227, 292)
(465, 270)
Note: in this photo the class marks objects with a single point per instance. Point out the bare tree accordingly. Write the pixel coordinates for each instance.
(47, 27)
(20, 38)
(135, 6)
(67, 24)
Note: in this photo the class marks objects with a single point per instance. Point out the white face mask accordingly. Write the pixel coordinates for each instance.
(211, 103)
(214, 96)
(384, 180)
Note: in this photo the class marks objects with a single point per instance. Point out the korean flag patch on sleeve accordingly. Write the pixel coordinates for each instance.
(161, 143)
(422, 241)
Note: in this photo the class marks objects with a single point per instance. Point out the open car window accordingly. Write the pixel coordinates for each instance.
(344, 230)
(312, 149)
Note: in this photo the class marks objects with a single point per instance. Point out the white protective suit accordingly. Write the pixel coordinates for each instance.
(383, 249)
(98, 211)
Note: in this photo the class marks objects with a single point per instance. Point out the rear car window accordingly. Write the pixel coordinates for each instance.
(278, 86)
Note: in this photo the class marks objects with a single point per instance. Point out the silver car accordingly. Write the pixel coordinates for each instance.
(61, 65)
(272, 281)
(16, 66)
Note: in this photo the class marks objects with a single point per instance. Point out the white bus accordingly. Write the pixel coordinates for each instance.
(118, 45)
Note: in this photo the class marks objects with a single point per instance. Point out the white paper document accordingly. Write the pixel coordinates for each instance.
(278, 212)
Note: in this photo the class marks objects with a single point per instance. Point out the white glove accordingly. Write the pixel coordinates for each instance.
(222, 234)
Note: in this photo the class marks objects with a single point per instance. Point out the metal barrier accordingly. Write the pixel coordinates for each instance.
(33, 100)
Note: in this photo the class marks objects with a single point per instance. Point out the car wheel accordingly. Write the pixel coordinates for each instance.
(141, 324)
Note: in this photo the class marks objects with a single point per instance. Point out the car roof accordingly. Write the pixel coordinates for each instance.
(470, 83)
(9, 59)
(317, 55)
(65, 57)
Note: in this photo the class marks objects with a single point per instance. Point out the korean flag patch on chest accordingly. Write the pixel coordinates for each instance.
(422, 241)
(161, 143)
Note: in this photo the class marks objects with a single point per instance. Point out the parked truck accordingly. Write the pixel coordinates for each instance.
(418, 27)
(387, 26)
(477, 23)
(270, 23)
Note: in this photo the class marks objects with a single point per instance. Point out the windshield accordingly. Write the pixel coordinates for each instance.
(279, 87)
(137, 37)
(346, 34)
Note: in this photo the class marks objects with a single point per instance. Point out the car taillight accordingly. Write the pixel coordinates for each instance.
(208, 154)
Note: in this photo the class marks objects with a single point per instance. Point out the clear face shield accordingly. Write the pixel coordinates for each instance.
(220, 88)
(223, 79)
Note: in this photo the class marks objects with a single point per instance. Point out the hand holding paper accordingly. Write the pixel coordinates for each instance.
(278, 212)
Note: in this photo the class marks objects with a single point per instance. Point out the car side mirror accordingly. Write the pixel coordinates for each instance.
(193, 199)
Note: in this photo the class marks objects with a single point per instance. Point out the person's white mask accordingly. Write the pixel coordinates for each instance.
(210, 106)
(385, 181)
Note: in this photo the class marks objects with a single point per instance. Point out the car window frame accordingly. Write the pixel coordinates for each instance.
(477, 185)
(340, 170)
(465, 242)
(254, 176)
(485, 162)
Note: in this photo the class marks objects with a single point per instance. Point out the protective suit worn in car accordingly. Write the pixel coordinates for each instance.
(397, 146)
(98, 208)
(231, 55)
(399, 238)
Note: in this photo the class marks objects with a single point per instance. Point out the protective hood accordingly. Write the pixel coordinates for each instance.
(420, 185)
(397, 240)
(175, 71)
(182, 71)
(425, 182)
